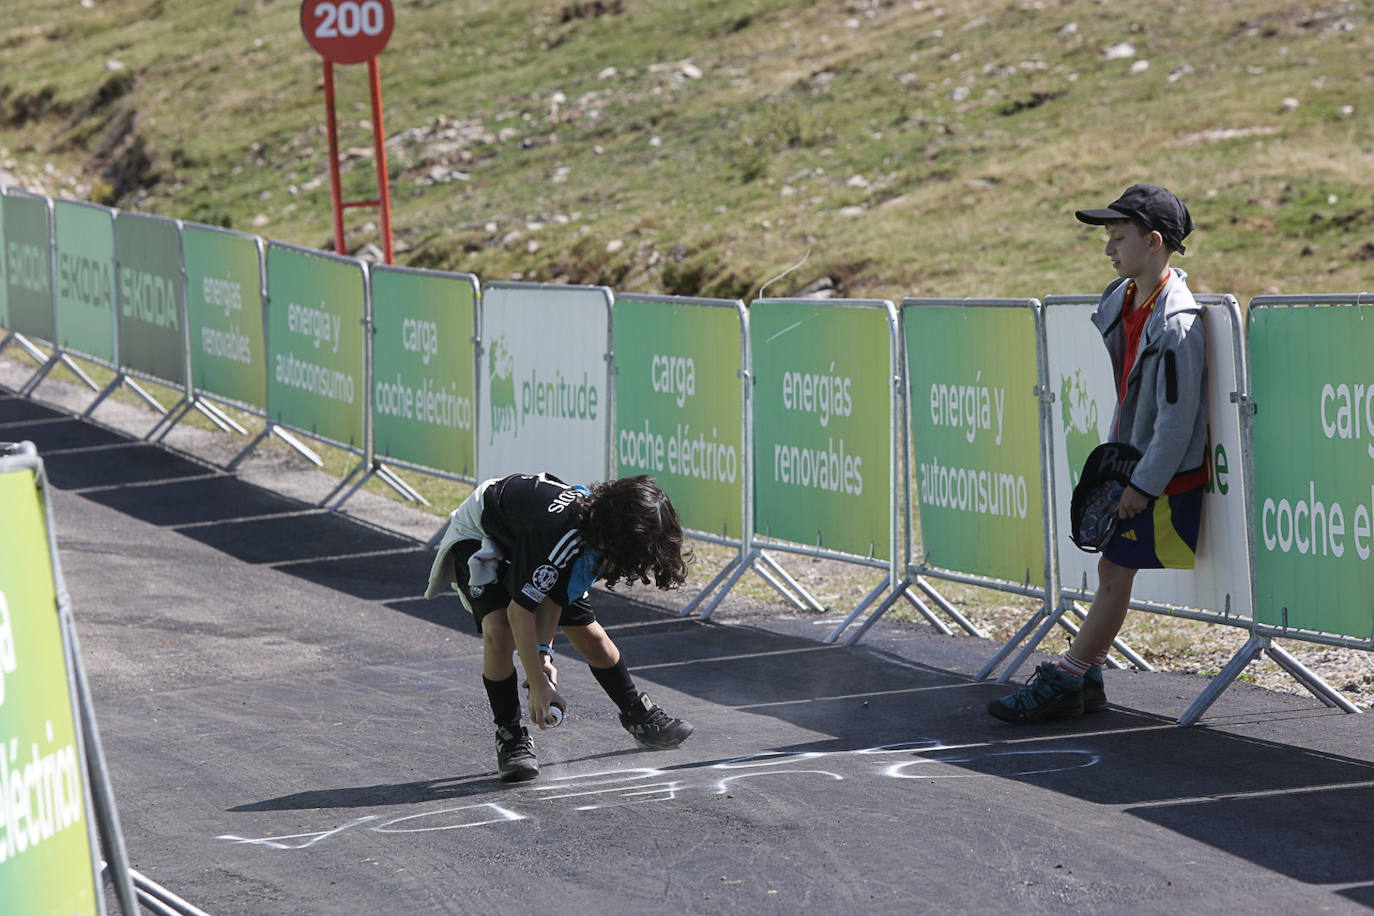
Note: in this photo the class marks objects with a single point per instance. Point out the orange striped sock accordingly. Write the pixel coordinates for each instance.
(1073, 666)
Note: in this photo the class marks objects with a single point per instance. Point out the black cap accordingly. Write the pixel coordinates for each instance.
(1153, 207)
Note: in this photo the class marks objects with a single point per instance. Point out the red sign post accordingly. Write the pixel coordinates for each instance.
(351, 32)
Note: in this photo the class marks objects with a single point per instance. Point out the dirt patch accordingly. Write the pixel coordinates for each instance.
(591, 10)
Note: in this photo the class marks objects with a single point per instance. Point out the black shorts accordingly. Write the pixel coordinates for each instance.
(482, 600)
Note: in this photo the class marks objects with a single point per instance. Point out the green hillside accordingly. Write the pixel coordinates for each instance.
(701, 147)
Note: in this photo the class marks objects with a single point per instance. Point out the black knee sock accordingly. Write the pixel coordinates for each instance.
(618, 684)
(504, 697)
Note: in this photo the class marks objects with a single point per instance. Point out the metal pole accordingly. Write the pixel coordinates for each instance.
(379, 144)
(335, 184)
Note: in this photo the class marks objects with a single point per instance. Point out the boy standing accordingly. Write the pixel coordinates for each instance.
(522, 552)
(1155, 335)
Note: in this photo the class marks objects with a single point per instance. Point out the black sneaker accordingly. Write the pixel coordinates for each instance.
(653, 728)
(1094, 691)
(1049, 694)
(515, 758)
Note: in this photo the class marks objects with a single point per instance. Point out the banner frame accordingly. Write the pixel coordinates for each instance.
(207, 402)
(285, 431)
(608, 294)
(743, 542)
(916, 575)
(170, 415)
(46, 361)
(383, 470)
(1262, 635)
(759, 544)
(104, 833)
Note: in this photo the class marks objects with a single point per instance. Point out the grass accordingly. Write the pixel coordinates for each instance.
(914, 149)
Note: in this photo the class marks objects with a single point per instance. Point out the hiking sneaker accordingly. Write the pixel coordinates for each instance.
(652, 727)
(1051, 693)
(515, 759)
(1094, 690)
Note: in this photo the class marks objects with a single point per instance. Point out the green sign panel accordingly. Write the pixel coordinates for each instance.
(4, 284)
(152, 324)
(46, 861)
(823, 408)
(1314, 468)
(679, 412)
(975, 431)
(424, 371)
(315, 374)
(224, 314)
(85, 279)
(28, 266)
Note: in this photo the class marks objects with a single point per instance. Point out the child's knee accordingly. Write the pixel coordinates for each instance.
(497, 635)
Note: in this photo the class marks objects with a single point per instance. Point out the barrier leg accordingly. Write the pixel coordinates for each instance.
(141, 392)
(928, 614)
(1309, 679)
(948, 608)
(28, 388)
(1011, 644)
(173, 417)
(1051, 619)
(76, 370)
(305, 451)
(1248, 653)
(217, 416)
(745, 563)
(779, 587)
(155, 897)
(27, 346)
(876, 615)
(397, 483)
(248, 449)
(344, 483)
(710, 586)
(101, 396)
(806, 596)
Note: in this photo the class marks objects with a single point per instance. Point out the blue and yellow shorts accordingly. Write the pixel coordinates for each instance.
(1162, 537)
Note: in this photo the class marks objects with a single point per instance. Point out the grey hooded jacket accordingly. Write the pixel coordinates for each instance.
(1164, 411)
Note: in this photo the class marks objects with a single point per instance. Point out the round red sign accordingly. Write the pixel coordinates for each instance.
(347, 31)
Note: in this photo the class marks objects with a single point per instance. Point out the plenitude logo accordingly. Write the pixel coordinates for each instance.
(542, 395)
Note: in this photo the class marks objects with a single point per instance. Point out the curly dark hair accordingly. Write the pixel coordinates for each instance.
(633, 525)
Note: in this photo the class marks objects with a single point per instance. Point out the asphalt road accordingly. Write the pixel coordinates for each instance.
(291, 729)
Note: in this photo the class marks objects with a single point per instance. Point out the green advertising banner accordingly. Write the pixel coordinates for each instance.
(424, 367)
(678, 404)
(28, 266)
(85, 279)
(315, 359)
(4, 284)
(46, 861)
(975, 437)
(1313, 385)
(224, 314)
(152, 305)
(823, 423)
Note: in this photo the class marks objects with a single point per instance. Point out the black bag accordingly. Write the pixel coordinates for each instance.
(1092, 514)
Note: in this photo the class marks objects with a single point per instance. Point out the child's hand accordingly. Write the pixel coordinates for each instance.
(542, 696)
(1132, 503)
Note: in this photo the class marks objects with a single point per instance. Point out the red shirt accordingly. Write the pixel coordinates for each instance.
(1133, 322)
